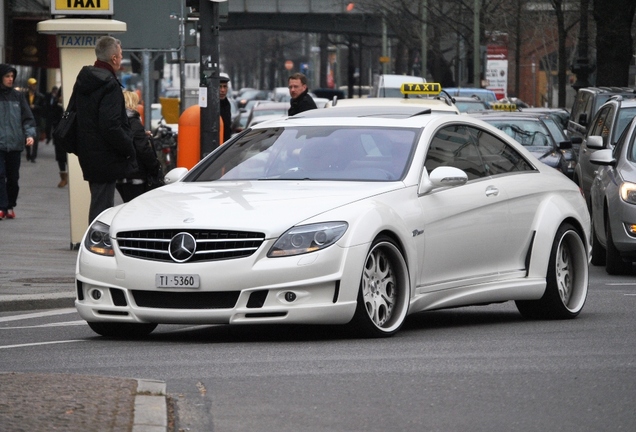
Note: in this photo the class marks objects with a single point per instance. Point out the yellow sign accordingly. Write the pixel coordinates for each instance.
(385, 59)
(504, 106)
(421, 88)
(82, 7)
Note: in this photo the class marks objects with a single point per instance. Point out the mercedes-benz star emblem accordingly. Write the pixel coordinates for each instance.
(182, 247)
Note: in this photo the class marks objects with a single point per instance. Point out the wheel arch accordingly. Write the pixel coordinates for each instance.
(553, 214)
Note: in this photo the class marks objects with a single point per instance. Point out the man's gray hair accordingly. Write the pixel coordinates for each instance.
(106, 47)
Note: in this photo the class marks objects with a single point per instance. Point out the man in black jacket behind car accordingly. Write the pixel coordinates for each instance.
(300, 98)
(105, 146)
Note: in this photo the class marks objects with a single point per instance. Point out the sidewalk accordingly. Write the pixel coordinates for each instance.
(37, 265)
(37, 269)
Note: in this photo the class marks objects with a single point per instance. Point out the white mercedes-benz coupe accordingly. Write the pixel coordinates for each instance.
(355, 220)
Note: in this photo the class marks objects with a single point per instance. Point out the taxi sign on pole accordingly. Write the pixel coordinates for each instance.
(421, 88)
(81, 7)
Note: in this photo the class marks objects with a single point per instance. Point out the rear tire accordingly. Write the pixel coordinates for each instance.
(122, 330)
(384, 293)
(566, 279)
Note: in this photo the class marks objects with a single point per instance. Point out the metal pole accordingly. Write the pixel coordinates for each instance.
(476, 46)
(385, 53)
(182, 77)
(209, 76)
(424, 49)
(147, 95)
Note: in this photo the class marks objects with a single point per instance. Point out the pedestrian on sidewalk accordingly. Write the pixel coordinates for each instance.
(17, 129)
(148, 165)
(37, 105)
(105, 145)
(53, 115)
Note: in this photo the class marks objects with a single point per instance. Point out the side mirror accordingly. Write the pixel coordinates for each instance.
(583, 119)
(564, 145)
(603, 157)
(175, 174)
(576, 140)
(444, 176)
(595, 142)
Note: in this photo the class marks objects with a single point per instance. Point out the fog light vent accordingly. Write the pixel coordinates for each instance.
(96, 294)
(290, 296)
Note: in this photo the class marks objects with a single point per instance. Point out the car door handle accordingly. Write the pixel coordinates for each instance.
(491, 190)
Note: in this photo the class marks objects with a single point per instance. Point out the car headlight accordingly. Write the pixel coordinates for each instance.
(98, 239)
(307, 238)
(628, 192)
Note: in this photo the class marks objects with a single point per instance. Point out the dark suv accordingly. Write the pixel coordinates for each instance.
(588, 101)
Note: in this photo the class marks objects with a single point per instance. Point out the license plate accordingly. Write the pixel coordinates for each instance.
(177, 280)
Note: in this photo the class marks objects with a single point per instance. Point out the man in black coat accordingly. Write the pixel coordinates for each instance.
(225, 107)
(300, 98)
(105, 151)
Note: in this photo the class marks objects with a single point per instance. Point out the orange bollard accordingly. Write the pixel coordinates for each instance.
(189, 138)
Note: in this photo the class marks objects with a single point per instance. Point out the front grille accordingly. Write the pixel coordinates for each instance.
(186, 300)
(211, 245)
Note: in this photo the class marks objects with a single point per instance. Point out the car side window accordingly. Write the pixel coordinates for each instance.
(498, 156)
(453, 146)
(600, 126)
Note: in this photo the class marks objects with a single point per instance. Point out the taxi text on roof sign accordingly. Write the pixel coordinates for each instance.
(421, 88)
(504, 106)
(82, 7)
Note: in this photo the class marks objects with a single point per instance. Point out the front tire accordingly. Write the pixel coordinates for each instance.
(122, 330)
(384, 293)
(566, 279)
(614, 263)
(598, 251)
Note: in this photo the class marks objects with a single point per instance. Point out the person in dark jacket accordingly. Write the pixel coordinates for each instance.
(300, 98)
(105, 145)
(224, 106)
(17, 129)
(147, 163)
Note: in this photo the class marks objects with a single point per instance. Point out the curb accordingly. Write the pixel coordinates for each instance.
(11, 303)
(151, 411)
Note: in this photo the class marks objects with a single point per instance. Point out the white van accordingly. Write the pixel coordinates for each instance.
(390, 85)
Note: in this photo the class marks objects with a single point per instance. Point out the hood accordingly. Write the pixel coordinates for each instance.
(5, 69)
(91, 78)
(268, 207)
(547, 155)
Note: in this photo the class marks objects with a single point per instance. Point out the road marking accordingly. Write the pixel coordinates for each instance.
(621, 284)
(58, 324)
(39, 343)
(38, 314)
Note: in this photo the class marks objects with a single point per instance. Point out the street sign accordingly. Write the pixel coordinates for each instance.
(152, 24)
(82, 7)
(385, 59)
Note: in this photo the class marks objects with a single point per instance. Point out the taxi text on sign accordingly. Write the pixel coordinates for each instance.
(82, 7)
(421, 88)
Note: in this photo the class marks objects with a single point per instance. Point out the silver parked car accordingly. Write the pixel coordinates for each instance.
(613, 199)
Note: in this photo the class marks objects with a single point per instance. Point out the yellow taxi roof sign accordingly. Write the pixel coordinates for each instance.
(504, 106)
(421, 88)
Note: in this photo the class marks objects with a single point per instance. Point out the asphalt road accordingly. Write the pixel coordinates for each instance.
(470, 369)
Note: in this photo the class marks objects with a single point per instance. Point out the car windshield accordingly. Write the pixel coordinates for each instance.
(529, 133)
(312, 153)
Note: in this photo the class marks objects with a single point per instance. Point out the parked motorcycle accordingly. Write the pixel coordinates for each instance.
(165, 143)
